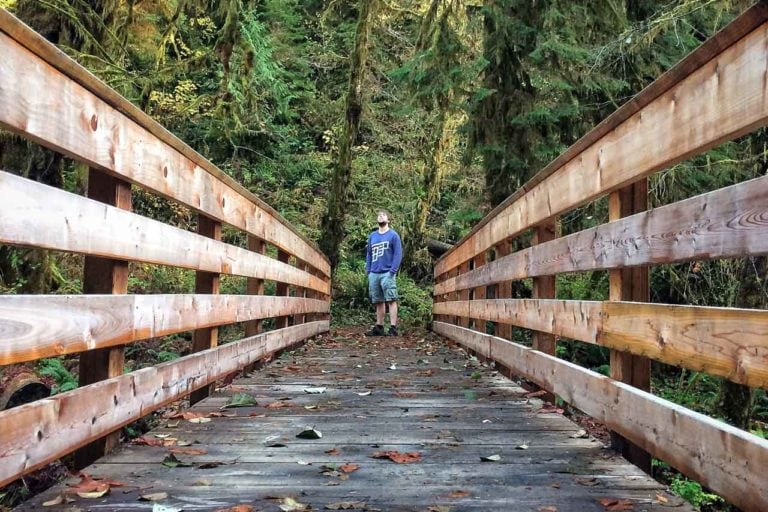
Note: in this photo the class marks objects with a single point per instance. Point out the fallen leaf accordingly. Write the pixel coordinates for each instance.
(58, 500)
(491, 458)
(257, 415)
(202, 483)
(439, 508)
(210, 465)
(399, 458)
(314, 391)
(291, 505)
(170, 461)
(534, 394)
(364, 393)
(199, 420)
(549, 508)
(349, 468)
(236, 508)
(155, 496)
(405, 395)
(148, 441)
(581, 434)
(393, 367)
(310, 407)
(88, 484)
(187, 415)
(94, 494)
(333, 451)
(588, 482)
(458, 494)
(347, 505)
(156, 507)
(614, 505)
(240, 400)
(188, 451)
(278, 405)
(523, 446)
(661, 498)
(172, 424)
(309, 433)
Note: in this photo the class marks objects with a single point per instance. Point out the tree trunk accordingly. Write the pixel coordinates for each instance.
(338, 195)
(430, 193)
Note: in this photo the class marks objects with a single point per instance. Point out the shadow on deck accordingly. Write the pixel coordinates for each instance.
(450, 409)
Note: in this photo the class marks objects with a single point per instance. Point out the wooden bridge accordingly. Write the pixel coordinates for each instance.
(433, 412)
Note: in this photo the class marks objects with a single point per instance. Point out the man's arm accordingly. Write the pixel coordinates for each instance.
(397, 255)
(368, 256)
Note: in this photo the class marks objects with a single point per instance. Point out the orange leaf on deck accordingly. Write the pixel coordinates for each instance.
(333, 451)
(278, 405)
(405, 395)
(349, 468)
(148, 441)
(399, 458)
(458, 494)
(614, 505)
(188, 451)
(236, 508)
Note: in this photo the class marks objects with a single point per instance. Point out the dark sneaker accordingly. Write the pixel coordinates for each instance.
(378, 330)
(392, 331)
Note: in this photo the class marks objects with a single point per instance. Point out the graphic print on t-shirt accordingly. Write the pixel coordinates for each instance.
(378, 250)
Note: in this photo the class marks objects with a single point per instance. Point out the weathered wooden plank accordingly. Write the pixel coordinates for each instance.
(544, 287)
(730, 461)
(36, 326)
(103, 275)
(37, 433)
(727, 342)
(90, 129)
(727, 223)
(715, 101)
(282, 290)
(41, 216)
(631, 285)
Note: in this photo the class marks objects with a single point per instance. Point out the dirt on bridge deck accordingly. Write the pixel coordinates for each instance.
(405, 425)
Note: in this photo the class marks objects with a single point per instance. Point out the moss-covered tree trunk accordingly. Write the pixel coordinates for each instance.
(431, 183)
(338, 193)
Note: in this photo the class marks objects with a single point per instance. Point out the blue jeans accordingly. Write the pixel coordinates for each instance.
(382, 287)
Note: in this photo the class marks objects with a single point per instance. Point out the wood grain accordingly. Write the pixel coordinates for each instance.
(727, 223)
(42, 431)
(37, 326)
(730, 461)
(41, 216)
(91, 130)
(727, 342)
(716, 101)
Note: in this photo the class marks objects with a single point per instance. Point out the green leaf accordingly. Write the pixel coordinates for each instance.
(170, 461)
(240, 400)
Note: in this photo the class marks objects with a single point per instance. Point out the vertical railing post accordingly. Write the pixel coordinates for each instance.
(630, 284)
(464, 294)
(544, 287)
(301, 292)
(282, 290)
(205, 282)
(480, 292)
(503, 291)
(103, 275)
(254, 286)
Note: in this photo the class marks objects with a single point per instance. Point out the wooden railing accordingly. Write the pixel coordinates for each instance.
(716, 94)
(49, 99)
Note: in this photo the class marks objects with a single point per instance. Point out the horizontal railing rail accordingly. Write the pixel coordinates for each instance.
(49, 99)
(714, 95)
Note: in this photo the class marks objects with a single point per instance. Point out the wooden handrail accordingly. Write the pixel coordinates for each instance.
(714, 95)
(84, 119)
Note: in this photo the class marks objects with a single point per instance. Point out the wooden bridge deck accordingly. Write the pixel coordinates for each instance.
(438, 402)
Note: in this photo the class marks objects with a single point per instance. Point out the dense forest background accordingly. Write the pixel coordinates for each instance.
(433, 109)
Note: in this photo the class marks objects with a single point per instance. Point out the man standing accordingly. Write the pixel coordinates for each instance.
(383, 255)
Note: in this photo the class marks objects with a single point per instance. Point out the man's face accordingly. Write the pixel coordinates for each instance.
(382, 217)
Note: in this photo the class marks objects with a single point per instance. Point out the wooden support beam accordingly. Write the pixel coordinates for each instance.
(463, 294)
(503, 289)
(478, 293)
(103, 275)
(726, 223)
(206, 282)
(282, 290)
(36, 326)
(630, 285)
(544, 287)
(731, 462)
(45, 430)
(41, 216)
(254, 286)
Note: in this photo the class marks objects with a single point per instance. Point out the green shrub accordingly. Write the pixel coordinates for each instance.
(693, 493)
(63, 378)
